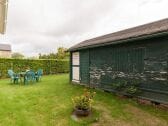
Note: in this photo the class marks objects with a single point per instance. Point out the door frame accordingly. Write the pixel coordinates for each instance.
(76, 64)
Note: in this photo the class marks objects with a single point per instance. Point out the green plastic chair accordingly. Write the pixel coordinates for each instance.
(39, 74)
(29, 77)
(14, 77)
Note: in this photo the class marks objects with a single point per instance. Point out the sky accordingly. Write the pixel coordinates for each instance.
(41, 26)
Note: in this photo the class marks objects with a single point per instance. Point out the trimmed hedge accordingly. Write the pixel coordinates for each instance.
(49, 66)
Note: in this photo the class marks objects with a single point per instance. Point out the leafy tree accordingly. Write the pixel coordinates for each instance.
(17, 55)
(62, 53)
(32, 57)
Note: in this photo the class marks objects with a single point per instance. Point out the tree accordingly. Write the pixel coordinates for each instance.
(62, 53)
(17, 55)
(32, 57)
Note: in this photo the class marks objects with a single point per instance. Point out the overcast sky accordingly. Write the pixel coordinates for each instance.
(41, 26)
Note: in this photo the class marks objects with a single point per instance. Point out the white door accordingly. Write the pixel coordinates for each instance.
(75, 67)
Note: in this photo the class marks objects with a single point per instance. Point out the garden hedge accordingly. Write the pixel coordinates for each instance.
(49, 66)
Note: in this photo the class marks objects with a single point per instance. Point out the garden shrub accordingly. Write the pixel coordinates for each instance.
(49, 66)
(84, 102)
(127, 86)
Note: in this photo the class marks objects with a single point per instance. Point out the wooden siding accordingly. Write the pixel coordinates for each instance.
(84, 67)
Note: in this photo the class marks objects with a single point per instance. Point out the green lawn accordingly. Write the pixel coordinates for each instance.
(48, 103)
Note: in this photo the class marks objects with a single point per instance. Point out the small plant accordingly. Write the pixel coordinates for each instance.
(131, 89)
(84, 102)
(119, 85)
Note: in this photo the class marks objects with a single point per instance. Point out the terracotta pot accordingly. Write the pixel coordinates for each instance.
(80, 112)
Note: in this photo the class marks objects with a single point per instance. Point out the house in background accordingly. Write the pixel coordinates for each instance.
(139, 53)
(5, 51)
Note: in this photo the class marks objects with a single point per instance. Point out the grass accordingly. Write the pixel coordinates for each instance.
(48, 103)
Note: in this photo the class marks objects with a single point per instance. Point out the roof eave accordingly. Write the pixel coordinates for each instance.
(121, 41)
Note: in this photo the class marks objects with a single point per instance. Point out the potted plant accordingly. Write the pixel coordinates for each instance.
(83, 103)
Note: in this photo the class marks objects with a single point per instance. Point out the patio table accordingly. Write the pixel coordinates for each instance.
(22, 76)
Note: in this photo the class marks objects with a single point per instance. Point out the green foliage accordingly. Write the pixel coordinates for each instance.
(62, 53)
(84, 101)
(49, 66)
(130, 87)
(17, 55)
(48, 56)
(119, 85)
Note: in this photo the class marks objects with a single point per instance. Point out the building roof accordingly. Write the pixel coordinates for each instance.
(5, 47)
(160, 26)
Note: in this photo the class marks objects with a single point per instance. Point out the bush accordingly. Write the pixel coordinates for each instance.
(119, 85)
(130, 87)
(84, 102)
(49, 66)
(131, 90)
